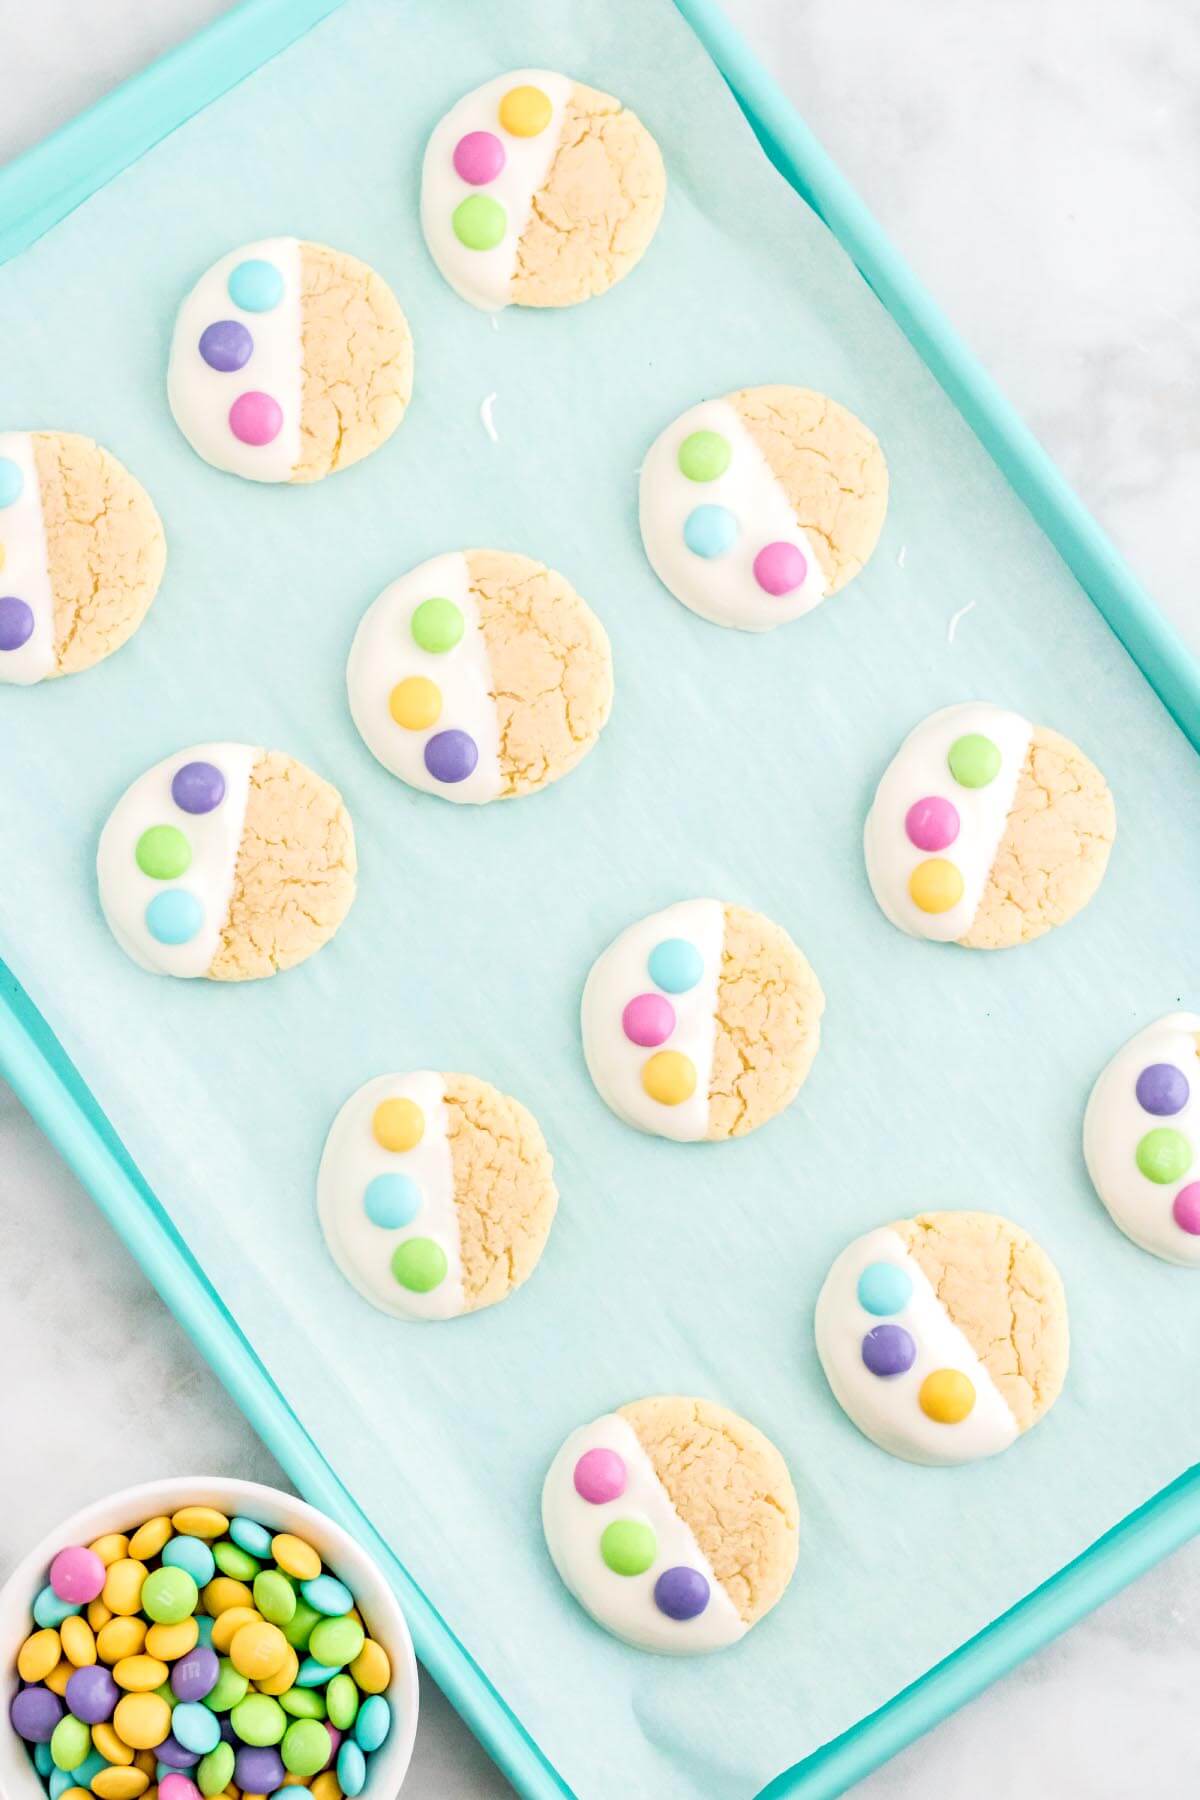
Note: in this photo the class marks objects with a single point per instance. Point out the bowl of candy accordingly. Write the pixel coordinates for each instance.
(200, 1637)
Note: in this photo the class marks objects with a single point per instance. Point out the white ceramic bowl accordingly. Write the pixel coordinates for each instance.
(387, 1768)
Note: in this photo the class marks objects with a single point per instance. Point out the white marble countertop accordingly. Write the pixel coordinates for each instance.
(1039, 165)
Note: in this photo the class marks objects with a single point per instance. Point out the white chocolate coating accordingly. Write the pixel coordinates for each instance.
(722, 588)
(200, 397)
(919, 770)
(885, 1408)
(617, 977)
(215, 838)
(25, 572)
(352, 1158)
(1115, 1122)
(484, 277)
(384, 653)
(624, 1604)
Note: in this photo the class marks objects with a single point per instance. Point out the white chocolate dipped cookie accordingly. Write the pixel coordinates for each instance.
(987, 831)
(673, 1522)
(1141, 1132)
(700, 1021)
(228, 861)
(289, 361)
(480, 675)
(756, 507)
(538, 191)
(943, 1337)
(435, 1194)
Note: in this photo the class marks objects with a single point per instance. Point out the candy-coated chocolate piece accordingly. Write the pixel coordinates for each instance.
(418, 1264)
(704, 455)
(258, 1650)
(163, 853)
(259, 1720)
(214, 1772)
(148, 1540)
(70, 1743)
(196, 1675)
(351, 1769)
(16, 622)
(1162, 1089)
(170, 1642)
(681, 1593)
(437, 625)
(525, 111)
(226, 345)
(1164, 1155)
(780, 568)
(34, 1713)
(669, 1077)
(171, 1754)
(932, 823)
(974, 760)
(256, 418)
(251, 1536)
(710, 531)
(600, 1476)
(306, 1748)
(479, 222)
(295, 1557)
(200, 1521)
(193, 1554)
(178, 1787)
(936, 885)
(479, 157)
(648, 1019)
(337, 1641)
(229, 1688)
(373, 1724)
(256, 285)
(628, 1546)
(195, 1727)
(371, 1670)
(274, 1596)
(341, 1698)
(328, 1595)
(39, 1654)
(231, 1559)
(169, 1595)
(142, 1720)
(174, 917)
(884, 1288)
(675, 965)
(888, 1350)
(398, 1124)
(77, 1575)
(12, 481)
(415, 703)
(1185, 1209)
(451, 756)
(123, 1583)
(947, 1395)
(49, 1610)
(140, 1674)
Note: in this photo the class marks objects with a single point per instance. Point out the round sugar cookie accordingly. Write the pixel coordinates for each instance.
(1141, 1138)
(228, 861)
(673, 1522)
(945, 1336)
(701, 1021)
(289, 361)
(756, 507)
(538, 191)
(987, 831)
(82, 553)
(435, 1194)
(480, 675)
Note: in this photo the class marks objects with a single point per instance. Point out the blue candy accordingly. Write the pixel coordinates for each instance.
(373, 1723)
(710, 531)
(314, 1674)
(43, 1762)
(191, 1554)
(174, 917)
(256, 286)
(325, 1593)
(250, 1536)
(195, 1727)
(12, 481)
(884, 1288)
(675, 965)
(49, 1610)
(351, 1769)
(391, 1202)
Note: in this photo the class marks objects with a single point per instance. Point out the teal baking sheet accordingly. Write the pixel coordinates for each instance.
(732, 765)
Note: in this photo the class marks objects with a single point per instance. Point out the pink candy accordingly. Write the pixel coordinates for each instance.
(479, 157)
(648, 1020)
(779, 568)
(178, 1787)
(1186, 1210)
(931, 823)
(255, 418)
(599, 1476)
(77, 1575)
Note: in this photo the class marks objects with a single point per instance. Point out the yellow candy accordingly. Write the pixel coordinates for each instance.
(415, 703)
(669, 1077)
(295, 1557)
(98, 1615)
(258, 1651)
(120, 1784)
(398, 1124)
(110, 1746)
(525, 111)
(229, 1624)
(283, 1678)
(936, 885)
(120, 1637)
(171, 1641)
(947, 1396)
(200, 1521)
(148, 1540)
(142, 1720)
(223, 1592)
(371, 1668)
(76, 1793)
(146, 1761)
(59, 1676)
(111, 1548)
(38, 1655)
(326, 1787)
(78, 1642)
(123, 1586)
(140, 1674)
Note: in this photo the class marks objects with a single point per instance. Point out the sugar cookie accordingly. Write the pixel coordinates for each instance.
(289, 361)
(1140, 1136)
(435, 1194)
(227, 861)
(81, 554)
(673, 1522)
(755, 508)
(945, 1336)
(987, 831)
(480, 675)
(537, 191)
(701, 1021)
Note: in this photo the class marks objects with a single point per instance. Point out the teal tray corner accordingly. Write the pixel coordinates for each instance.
(41, 188)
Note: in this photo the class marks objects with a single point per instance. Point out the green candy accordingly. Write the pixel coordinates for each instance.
(167, 1692)
(703, 455)
(628, 1547)
(230, 1687)
(974, 760)
(299, 1627)
(341, 1697)
(163, 853)
(418, 1265)
(306, 1747)
(306, 1703)
(70, 1744)
(437, 625)
(214, 1772)
(274, 1596)
(259, 1720)
(1164, 1155)
(336, 1642)
(232, 1560)
(169, 1595)
(479, 222)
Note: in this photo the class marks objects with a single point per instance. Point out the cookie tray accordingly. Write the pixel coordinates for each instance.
(38, 191)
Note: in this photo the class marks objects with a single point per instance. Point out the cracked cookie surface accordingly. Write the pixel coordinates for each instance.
(504, 1188)
(768, 1024)
(357, 360)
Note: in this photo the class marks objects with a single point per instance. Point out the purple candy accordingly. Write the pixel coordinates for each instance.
(226, 345)
(172, 1752)
(92, 1694)
(1162, 1089)
(35, 1712)
(681, 1593)
(198, 787)
(16, 622)
(258, 1770)
(228, 1734)
(888, 1350)
(451, 755)
(195, 1674)
(335, 1739)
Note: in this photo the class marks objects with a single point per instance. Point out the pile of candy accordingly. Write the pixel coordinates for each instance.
(199, 1655)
